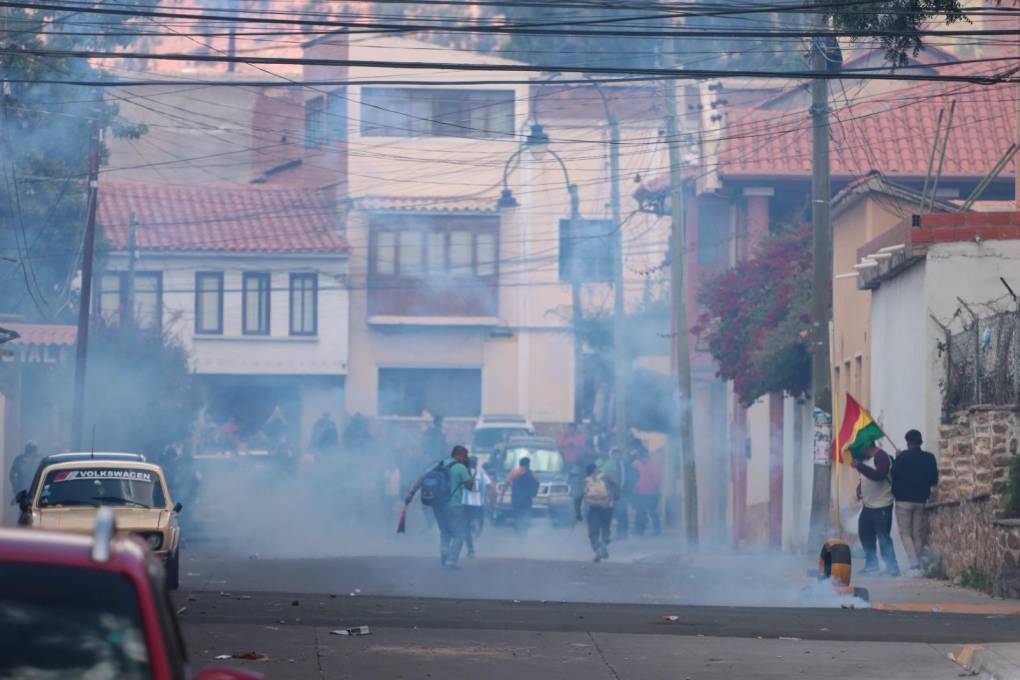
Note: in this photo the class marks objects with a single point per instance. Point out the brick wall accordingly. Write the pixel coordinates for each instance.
(967, 529)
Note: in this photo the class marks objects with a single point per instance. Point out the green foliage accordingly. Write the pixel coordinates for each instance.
(44, 148)
(900, 18)
(756, 322)
(140, 395)
(975, 578)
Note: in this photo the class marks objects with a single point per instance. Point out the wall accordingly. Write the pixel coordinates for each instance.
(235, 353)
(978, 446)
(899, 370)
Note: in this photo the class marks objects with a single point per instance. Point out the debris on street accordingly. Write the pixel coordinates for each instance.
(357, 630)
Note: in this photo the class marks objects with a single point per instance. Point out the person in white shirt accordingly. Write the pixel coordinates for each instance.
(474, 504)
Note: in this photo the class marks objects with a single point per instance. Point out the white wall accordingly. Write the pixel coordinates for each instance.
(899, 375)
(235, 353)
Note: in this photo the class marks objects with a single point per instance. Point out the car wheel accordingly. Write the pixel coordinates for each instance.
(173, 570)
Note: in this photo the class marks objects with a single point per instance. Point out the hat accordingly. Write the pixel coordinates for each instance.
(913, 437)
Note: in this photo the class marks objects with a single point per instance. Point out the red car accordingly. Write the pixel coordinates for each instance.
(74, 606)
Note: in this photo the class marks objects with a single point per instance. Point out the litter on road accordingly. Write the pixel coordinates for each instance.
(357, 630)
(671, 618)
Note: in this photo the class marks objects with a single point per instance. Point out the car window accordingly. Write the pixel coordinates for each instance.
(102, 486)
(491, 436)
(542, 460)
(69, 622)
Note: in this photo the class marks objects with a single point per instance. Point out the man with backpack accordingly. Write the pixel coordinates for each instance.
(442, 488)
(600, 495)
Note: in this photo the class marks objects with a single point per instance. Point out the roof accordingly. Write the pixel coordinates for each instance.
(65, 549)
(904, 244)
(55, 458)
(444, 204)
(875, 183)
(891, 133)
(42, 333)
(210, 218)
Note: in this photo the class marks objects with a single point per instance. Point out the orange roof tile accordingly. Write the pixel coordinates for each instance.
(182, 217)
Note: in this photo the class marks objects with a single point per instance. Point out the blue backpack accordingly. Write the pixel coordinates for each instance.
(435, 486)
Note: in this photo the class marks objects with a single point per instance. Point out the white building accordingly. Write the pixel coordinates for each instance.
(922, 274)
(252, 282)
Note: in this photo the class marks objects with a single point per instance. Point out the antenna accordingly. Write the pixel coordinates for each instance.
(92, 453)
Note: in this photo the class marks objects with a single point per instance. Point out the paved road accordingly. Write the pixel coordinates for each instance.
(443, 638)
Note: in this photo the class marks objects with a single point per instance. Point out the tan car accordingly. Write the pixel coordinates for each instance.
(69, 488)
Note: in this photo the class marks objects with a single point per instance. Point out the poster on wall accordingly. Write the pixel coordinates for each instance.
(823, 436)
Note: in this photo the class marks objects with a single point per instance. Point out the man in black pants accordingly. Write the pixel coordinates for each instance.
(600, 495)
(875, 524)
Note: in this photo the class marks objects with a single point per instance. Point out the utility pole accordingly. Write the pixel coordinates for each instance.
(82, 338)
(129, 312)
(620, 364)
(681, 340)
(821, 282)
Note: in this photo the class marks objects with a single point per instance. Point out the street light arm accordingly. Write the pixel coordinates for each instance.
(506, 167)
(571, 187)
(610, 118)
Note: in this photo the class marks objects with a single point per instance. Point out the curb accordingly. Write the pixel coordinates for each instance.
(986, 663)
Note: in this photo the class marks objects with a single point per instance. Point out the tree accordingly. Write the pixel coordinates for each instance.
(756, 322)
(140, 394)
(44, 149)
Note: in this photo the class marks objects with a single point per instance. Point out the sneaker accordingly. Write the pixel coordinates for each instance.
(869, 569)
(892, 573)
(604, 553)
(471, 554)
(452, 566)
(598, 558)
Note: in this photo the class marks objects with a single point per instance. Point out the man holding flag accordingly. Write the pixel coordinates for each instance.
(858, 435)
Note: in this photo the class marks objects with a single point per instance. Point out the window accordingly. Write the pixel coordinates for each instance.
(113, 295)
(315, 122)
(304, 304)
(713, 232)
(255, 312)
(336, 115)
(445, 391)
(436, 112)
(209, 302)
(424, 265)
(148, 312)
(111, 298)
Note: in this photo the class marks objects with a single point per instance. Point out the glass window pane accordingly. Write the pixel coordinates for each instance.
(460, 253)
(302, 304)
(336, 112)
(208, 305)
(486, 244)
(437, 252)
(385, 252)
(110, 298)
(315, 122)
(147, 311)
(410, 253)
(256, 304)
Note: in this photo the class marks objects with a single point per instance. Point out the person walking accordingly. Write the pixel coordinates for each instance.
(914, 474)
(599, 497)
(875, 523)
(23, 467)
(523, 489)
(619, 469)
(474, 504)
(324, 434)
(571, 444)
(646, 493)
(442, 489)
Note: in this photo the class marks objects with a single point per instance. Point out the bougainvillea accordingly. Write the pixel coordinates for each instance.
(755, 321)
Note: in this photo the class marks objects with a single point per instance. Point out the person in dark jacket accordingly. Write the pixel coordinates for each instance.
(914, 473)
(523, 489)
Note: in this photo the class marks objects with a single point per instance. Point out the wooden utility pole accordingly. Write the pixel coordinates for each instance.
(82, 339)
(821, 281)
(129, 306)
(681, 340)
(620, 361)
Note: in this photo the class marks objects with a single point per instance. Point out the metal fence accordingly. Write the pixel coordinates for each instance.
(983, 363)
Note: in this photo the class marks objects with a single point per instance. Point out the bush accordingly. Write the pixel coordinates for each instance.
(972, 577)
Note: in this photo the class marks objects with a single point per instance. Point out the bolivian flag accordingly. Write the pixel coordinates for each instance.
(857, 432)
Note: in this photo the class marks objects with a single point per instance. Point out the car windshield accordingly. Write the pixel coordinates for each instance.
(542, 460)
(69, 622)
(488, 438)
(102, 486)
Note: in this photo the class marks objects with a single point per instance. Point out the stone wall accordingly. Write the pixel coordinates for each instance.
(967, 529)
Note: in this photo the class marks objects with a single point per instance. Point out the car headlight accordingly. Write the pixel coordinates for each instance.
(155, 541)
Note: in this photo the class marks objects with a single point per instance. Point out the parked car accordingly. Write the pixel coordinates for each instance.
(80, 606)
(554, 499)
(493, 430)
(68, 490)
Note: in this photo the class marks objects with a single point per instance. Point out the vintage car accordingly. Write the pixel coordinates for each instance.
(493, 430)
(79, 606)
(554, 499)
(68, 490)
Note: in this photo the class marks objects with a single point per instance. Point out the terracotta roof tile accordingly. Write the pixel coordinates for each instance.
(216, 218)
(428, 203)
(892, 134)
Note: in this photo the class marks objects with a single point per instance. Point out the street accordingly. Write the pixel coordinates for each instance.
(737, 615)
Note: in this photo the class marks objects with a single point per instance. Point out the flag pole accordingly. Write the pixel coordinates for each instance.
(838, 423)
